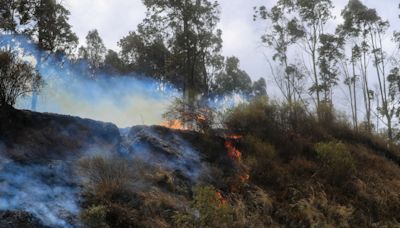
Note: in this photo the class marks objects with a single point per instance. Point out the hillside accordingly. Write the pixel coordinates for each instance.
(63, 171)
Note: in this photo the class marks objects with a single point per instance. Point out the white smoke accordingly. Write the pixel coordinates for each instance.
(124, 100)
(45, 190)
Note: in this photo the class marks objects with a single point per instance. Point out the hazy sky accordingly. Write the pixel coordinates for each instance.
(114, 19)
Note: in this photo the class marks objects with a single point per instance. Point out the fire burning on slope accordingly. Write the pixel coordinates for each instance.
(220, 198)
(233, 152)
(174, 124)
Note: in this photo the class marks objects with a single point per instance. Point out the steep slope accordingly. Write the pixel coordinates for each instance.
(41, 154)
(63, 171)
(30, 136)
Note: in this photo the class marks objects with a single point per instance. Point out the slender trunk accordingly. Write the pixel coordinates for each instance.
(367, 98)
(34, 91)
(288, 82)
(314, 62)
(353, 81)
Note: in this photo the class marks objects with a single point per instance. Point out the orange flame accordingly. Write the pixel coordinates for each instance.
(233, 153)
(236, 137)
(220, 198)
(201, 118)
(174, 124)
(244, 178)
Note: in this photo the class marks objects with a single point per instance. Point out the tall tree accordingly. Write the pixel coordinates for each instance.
(189, 31)
(51, 29)
(313, 15)
(14, 14)
(280, 36)
(113, 63)
(94, 51)
(17, 78)
(232, 79)
(330, 51)
(259, 88)
(46, 22)
(367, 29)
(144, 51)
(356, 29)
(300, 22)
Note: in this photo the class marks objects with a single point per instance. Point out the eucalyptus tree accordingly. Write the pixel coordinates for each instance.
(313, 16)
(259, 88)
(300, 22)
(145, 52)
(94, 51)
(330, 52)
(367, 29)
(356, 31)
(14, 14)
(188, 28)
(232, 79)
(282, 33)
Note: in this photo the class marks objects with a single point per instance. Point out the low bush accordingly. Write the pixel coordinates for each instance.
(95, 217)
(337, 162)
(208, 209)
(109, 196)
(258, 154)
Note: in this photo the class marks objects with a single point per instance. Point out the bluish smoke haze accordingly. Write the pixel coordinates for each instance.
(125, 100)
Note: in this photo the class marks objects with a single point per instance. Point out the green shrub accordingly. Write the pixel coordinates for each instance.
(253, 118)
(95, 217)
(108, 182)
(337, 163)
(208, 209)
(258, 153)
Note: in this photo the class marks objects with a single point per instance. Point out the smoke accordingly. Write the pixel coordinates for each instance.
(46, 191)
(125, 100)
(164, 149)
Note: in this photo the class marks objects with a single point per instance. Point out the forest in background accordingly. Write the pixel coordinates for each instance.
(265, 163)
(179, 42)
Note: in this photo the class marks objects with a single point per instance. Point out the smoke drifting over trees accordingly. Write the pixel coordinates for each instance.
(227, 154)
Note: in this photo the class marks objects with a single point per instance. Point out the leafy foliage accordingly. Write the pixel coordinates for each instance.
(17, 78)
(337, 162)
(209, 209)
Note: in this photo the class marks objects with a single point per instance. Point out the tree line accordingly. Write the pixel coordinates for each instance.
(178, 42)
(352, 54)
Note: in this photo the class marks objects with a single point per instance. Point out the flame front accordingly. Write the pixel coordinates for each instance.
(174, 124)
(220, 198)
(233, 153)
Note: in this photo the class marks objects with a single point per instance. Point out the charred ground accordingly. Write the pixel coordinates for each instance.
(293, 170)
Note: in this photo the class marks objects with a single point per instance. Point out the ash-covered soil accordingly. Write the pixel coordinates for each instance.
(39, 180)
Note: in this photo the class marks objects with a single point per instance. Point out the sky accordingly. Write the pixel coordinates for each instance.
(241, 35)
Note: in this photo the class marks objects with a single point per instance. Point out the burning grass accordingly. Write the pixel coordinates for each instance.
(272, 166)
(320, 172)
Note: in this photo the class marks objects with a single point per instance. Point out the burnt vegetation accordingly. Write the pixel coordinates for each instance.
(293, 162)
(317, 173)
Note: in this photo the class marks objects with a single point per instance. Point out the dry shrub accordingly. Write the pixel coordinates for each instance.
(302, 168)
(160, 206)
(109, 195)
(208, 209)
(95, 216)
(337, 162)
(258, 153)
(257, 118)
(376, 187)
(317, 211)
(253, 208)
